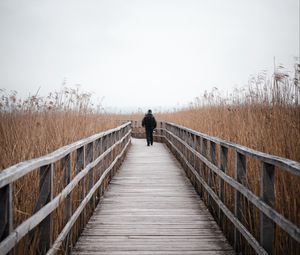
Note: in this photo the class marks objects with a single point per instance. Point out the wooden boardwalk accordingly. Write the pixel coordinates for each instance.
(151, 208)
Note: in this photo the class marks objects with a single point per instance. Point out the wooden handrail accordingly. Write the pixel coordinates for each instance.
(289, 165)
(185, 142)
(90, 152)
(15, 172)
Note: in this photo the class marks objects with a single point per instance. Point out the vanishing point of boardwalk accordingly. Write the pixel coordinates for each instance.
(151, 208)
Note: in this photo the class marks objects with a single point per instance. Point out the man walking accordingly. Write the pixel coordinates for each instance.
(149, 123)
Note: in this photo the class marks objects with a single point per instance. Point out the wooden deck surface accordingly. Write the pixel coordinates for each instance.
(150, 207)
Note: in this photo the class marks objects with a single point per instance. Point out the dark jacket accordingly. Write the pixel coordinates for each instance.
(149, 121)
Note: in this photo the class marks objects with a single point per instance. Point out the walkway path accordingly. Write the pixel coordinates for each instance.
(151, 208)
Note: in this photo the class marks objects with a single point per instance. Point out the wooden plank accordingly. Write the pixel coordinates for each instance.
(140, 252)
(143, 213)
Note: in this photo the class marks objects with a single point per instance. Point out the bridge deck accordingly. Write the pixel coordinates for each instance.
(151, 208)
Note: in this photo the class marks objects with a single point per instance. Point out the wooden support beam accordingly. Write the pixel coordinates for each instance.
(223, 168)
(267, 194)
(213, 159)
(6, 211)
(46, 195)
(80, 164)
(240, 176)
(66, 166)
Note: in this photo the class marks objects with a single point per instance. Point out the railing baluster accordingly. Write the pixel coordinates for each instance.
(223, 167)
(80, 164)
(88, 159)
(6, 211)
(210, 183)
(66, 165)
(240, 176)
(198, 147)
(267, 227)
(203, 166)
(46, 195)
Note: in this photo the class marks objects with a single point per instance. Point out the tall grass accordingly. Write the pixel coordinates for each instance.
(35, 126)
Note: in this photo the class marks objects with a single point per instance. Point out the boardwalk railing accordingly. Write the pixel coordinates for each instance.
(84, 168)
(72, 180)
(205, 160)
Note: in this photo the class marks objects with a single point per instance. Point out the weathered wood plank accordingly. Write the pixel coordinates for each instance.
(140, 252)
(151, 207)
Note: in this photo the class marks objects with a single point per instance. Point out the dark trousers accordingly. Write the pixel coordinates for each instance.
(149, 135)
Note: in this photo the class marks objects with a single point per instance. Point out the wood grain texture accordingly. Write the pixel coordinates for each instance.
(151, 208)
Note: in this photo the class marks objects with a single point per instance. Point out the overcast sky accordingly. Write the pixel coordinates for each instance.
(143, 53)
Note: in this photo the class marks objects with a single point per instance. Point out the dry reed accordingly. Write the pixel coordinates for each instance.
(35, 126)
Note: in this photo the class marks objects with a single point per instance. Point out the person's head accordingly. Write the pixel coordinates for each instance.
(149, 111)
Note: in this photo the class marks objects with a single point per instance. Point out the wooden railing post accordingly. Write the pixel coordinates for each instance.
(46, 195)
(198, 164)
(203, 151)
(267, 227)
(240, 176)
(80, 164)
(194, 146)
(213, 160)
(6, 211)
(223, 167)
(88, 159)
(66, 166)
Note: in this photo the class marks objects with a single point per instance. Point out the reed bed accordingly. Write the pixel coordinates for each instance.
(36, 126)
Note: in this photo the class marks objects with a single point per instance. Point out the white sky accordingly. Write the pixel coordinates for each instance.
(143, 53)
